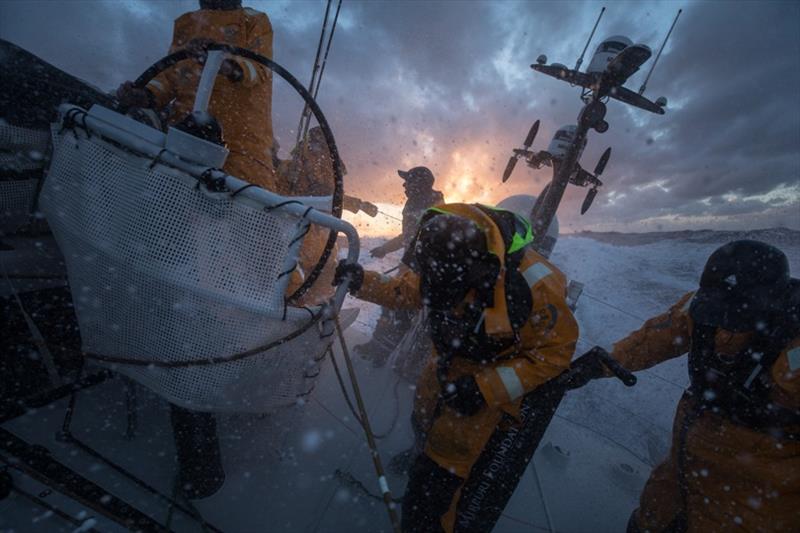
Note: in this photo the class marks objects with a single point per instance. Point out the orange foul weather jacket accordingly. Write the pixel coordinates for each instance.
(243, 108)
(736, 478)
(310, 173)
(544, 350)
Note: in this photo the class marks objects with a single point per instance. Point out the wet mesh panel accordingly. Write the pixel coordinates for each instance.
(14, 138)
(19, 162)
(161, 269)
(16, 199)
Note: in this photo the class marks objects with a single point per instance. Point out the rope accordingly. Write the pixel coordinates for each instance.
(216, 360)
(343, 388)
(334, 416)
(376, 458)
(396, 415)
(390, 216)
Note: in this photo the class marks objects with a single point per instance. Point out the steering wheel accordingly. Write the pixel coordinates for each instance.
(338, 190)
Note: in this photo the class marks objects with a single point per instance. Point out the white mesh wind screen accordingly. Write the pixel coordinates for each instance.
(16, 199)
(161, 269)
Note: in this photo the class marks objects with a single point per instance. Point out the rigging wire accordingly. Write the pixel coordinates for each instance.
(314, 70)
(328, 48)
(387, 215)
(319, 70)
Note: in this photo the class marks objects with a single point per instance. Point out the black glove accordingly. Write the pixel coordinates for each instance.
(355, 271)
(463, 395)
(586, 368)
(377, 252)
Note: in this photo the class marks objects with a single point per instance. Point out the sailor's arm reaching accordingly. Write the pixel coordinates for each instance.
(660, 338)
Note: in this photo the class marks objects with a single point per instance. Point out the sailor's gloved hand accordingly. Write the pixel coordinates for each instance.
(354, 270)
(463, 395)
(129, 95)
(585, 368)
(377, 252)
(231, 70)
(198, 47)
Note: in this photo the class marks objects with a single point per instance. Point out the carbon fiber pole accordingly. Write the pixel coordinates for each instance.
(376, 458)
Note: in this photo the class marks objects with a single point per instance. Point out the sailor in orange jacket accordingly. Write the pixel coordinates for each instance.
(310, 173)
(242, 97)
(735, 458)
(500, 326)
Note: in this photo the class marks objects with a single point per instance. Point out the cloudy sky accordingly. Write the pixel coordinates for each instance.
(448, 85)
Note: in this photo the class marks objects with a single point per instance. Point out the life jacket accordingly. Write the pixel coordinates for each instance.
(471, 330)
(414, 209)
(740, 387)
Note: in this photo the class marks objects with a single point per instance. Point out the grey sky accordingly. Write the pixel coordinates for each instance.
(448, 84)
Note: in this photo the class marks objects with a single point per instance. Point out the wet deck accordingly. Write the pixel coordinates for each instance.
(281, 470)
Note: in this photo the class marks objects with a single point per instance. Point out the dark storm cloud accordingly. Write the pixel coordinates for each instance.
(448, 84)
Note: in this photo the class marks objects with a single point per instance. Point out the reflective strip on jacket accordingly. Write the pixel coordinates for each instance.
(737, 478)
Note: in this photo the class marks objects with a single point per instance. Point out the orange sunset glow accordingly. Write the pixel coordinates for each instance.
(467, 174)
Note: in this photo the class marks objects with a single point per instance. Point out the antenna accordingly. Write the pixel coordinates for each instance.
(655, 61)
(580, 59)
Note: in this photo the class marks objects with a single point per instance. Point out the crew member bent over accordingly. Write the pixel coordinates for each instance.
(500, 327)
(735, 458)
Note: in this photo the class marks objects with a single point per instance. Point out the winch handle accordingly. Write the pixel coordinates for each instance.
(619, 371)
